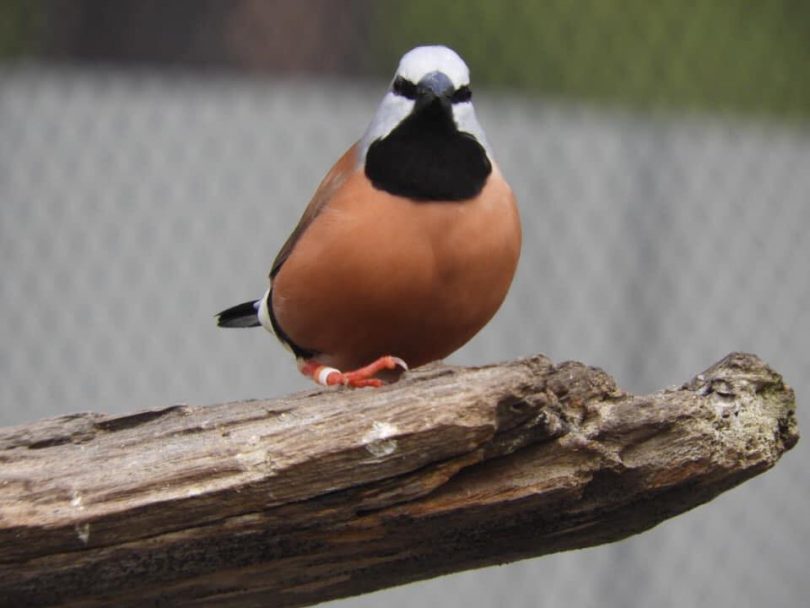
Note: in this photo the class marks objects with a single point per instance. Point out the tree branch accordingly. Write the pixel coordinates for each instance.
(332, 493)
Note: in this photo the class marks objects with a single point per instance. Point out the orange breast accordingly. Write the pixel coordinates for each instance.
(375, 274)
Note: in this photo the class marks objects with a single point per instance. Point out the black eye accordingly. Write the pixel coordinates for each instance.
(461, 95)
(404, 88)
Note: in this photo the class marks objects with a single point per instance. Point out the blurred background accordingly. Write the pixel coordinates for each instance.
(155, 155)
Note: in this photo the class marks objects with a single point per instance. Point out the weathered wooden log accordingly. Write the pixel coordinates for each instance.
(332, 493)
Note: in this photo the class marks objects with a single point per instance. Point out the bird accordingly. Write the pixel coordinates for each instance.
(408, 246)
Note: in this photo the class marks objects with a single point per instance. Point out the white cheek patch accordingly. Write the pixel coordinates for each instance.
(324, 373)
(466, 121)
(392, 110)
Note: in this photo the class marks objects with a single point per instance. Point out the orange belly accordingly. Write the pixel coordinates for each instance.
(376, 274)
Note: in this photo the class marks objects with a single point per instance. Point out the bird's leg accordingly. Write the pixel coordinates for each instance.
(358, 378)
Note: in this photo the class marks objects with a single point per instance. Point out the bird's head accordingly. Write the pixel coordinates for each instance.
(429, 74)
(428, 78)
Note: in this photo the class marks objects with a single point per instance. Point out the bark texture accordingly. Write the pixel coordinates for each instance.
(332, 493)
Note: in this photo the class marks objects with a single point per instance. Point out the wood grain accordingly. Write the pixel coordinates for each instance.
(331, 493)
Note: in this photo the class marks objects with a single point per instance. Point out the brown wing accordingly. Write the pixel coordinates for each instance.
(337, 175)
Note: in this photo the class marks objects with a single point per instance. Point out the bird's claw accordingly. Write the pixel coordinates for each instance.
(359, 378)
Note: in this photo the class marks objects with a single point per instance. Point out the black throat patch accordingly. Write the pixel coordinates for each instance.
(427, 158)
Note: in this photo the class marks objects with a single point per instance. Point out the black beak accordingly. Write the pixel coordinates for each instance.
(434, 86)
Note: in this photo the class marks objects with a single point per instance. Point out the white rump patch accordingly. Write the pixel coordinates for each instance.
(264, 313)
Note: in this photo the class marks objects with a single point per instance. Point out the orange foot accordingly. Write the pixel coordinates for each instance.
(329, 376)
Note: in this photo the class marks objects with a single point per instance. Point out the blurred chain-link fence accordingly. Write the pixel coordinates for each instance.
(154, 156)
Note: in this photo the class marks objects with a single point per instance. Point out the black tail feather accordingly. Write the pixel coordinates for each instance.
(245, 314)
